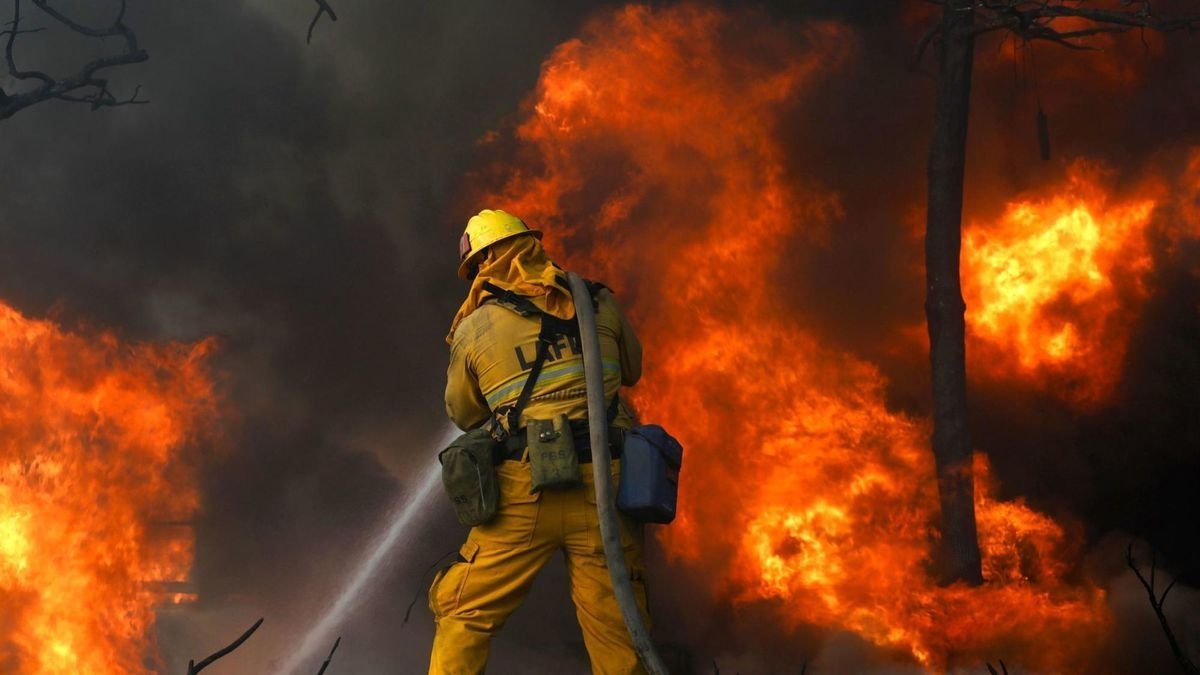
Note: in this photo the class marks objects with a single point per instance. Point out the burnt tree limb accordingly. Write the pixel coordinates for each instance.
(1034, 20)
(329, 658)
(323, 8)
(1157, 600)
(194, 667)
(88, 85)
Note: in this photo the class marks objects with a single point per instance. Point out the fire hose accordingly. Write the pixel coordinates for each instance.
(610, 533)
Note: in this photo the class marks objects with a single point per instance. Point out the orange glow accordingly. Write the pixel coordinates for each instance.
(1051, 285)
(651, 153)
(90, 435)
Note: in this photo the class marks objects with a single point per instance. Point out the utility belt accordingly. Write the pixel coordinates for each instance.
(513, 448)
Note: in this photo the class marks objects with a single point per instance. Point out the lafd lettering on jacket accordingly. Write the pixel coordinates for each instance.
(526, 354)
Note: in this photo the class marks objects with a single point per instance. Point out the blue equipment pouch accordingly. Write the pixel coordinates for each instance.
(650, 461)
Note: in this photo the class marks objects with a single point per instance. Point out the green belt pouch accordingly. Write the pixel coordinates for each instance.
(470, 477)
(552, 458)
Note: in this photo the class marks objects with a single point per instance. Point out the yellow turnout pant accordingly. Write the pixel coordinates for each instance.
(472, 598)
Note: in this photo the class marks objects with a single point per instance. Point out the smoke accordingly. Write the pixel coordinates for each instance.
(303, 204)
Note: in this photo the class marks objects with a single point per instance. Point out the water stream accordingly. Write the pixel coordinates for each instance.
(319, 638)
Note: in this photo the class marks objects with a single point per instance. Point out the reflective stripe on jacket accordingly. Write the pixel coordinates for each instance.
(494, 349)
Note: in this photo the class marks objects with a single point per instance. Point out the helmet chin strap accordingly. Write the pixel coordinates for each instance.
(474, 271)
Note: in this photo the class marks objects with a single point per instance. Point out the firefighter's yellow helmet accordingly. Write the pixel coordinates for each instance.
(485, 229)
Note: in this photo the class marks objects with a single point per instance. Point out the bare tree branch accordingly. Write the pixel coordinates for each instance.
(1156, 603)
(13, 32)
(86, 86)
(330, 657)
(194, 668)
(1032, 19)
(926, 39)
(322, 8)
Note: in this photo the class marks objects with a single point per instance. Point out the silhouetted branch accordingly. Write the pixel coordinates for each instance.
(421, 585)
(322, 8)
(91, 87)
(922, 45)
(1033, 20)
(330, 657)
(1003, 668)
(1156, 602)
(194, 668)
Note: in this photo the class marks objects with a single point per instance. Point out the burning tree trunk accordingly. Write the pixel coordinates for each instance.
(943, 296)
(961, 22)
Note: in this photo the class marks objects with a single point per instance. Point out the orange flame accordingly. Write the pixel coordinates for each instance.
(1052, 286)
(654, 135)
(90, 432)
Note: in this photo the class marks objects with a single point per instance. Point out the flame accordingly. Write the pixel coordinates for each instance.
(655, 136)
(1052, 286)
(90, 434)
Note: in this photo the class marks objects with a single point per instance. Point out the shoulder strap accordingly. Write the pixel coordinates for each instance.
(519, 303)
(514, 413)
(551, 327)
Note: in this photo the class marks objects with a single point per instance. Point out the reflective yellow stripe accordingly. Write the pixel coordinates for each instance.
(551, 373)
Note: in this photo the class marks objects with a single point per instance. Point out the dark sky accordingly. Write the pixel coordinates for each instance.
(303, 203)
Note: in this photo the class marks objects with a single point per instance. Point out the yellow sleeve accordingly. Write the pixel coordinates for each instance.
(631, 349)
(465, 404)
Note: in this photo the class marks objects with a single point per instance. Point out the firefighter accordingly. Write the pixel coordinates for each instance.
(493, 345)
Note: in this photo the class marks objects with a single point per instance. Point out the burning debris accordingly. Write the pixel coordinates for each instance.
(92, 455)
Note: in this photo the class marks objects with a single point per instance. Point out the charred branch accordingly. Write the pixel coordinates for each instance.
(330, 657)
(194, 668)
(87, 85)
(322, 8)
(1157, 600)
(1033, 20)
(930, 36)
